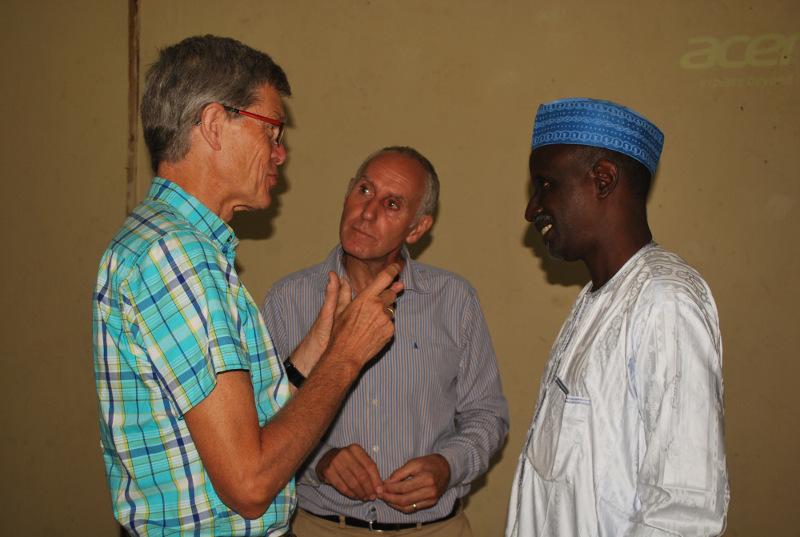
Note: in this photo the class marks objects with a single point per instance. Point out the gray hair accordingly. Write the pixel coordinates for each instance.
(193, 73)
(430, 198)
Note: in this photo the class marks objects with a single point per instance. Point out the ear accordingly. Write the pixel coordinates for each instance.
(419, 229)
(605, 176)
(212, 121)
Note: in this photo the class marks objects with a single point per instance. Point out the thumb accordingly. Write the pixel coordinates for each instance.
(402, 473)
(345, 295)
(331, 294)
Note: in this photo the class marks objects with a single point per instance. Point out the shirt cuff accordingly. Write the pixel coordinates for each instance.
(454, 458)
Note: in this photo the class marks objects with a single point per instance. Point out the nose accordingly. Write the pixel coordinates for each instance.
(370, 209)
(279, 154)
(533, 208)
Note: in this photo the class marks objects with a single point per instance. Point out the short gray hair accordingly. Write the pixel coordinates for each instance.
(192, 74)
(430, 198)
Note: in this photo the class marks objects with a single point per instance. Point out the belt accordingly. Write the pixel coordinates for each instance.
(385, 526)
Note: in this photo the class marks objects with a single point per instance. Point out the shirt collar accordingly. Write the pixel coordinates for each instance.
(409, 276)
(197, 214)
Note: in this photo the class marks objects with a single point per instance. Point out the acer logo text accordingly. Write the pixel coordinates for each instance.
(740, 51)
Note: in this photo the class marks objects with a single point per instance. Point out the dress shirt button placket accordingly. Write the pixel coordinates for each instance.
(372, 517)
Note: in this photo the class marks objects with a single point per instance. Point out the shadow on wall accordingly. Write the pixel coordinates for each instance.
(482, 480)
(256, 224)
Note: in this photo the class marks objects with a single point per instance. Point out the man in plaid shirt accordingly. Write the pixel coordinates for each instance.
(199, 434)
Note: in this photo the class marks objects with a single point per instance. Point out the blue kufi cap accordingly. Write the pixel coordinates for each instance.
(598, 123)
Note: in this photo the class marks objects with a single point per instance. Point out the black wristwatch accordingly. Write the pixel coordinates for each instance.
(295, 376)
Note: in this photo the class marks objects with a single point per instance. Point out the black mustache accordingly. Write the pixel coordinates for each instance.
(542, 220)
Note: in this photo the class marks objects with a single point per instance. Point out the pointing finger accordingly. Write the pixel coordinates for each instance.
(383, 280)
(388, 297)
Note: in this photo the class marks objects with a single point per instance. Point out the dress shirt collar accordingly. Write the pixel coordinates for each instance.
(409, 276)
(197, 214)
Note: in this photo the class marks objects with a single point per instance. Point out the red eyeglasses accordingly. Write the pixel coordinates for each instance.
(275, 128)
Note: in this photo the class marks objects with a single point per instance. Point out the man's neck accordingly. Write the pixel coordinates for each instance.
(361, 272)
(608, 258)
(196, 182)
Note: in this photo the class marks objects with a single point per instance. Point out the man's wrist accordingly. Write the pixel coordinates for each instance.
(296, 378)
(323, 463)
(342, 362)
(450, 456)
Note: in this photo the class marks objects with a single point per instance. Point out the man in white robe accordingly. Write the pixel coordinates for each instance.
(627, 436)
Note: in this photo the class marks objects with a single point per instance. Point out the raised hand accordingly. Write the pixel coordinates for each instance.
(418, 484)
(351, 471)
(337, 297)
(365, 325)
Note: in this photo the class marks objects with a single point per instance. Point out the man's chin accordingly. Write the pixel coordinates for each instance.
(561, 255)
(263, 203)
(553, 251)
(555, 255)
(354, 240)
(353, 249)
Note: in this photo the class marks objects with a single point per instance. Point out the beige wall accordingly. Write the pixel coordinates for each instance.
(460, 81)
(63, 102)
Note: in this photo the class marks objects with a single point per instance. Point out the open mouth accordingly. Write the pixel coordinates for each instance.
(544, 224)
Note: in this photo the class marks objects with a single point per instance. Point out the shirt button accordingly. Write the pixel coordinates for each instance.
(374, 402)
(376, 449)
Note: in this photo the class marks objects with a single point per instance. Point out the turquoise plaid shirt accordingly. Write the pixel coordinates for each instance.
(170, 313)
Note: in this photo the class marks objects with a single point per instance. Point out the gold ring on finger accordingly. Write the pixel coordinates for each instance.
(413, 507)
(389, 311)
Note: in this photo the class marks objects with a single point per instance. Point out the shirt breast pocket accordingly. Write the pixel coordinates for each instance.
(559, 439)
